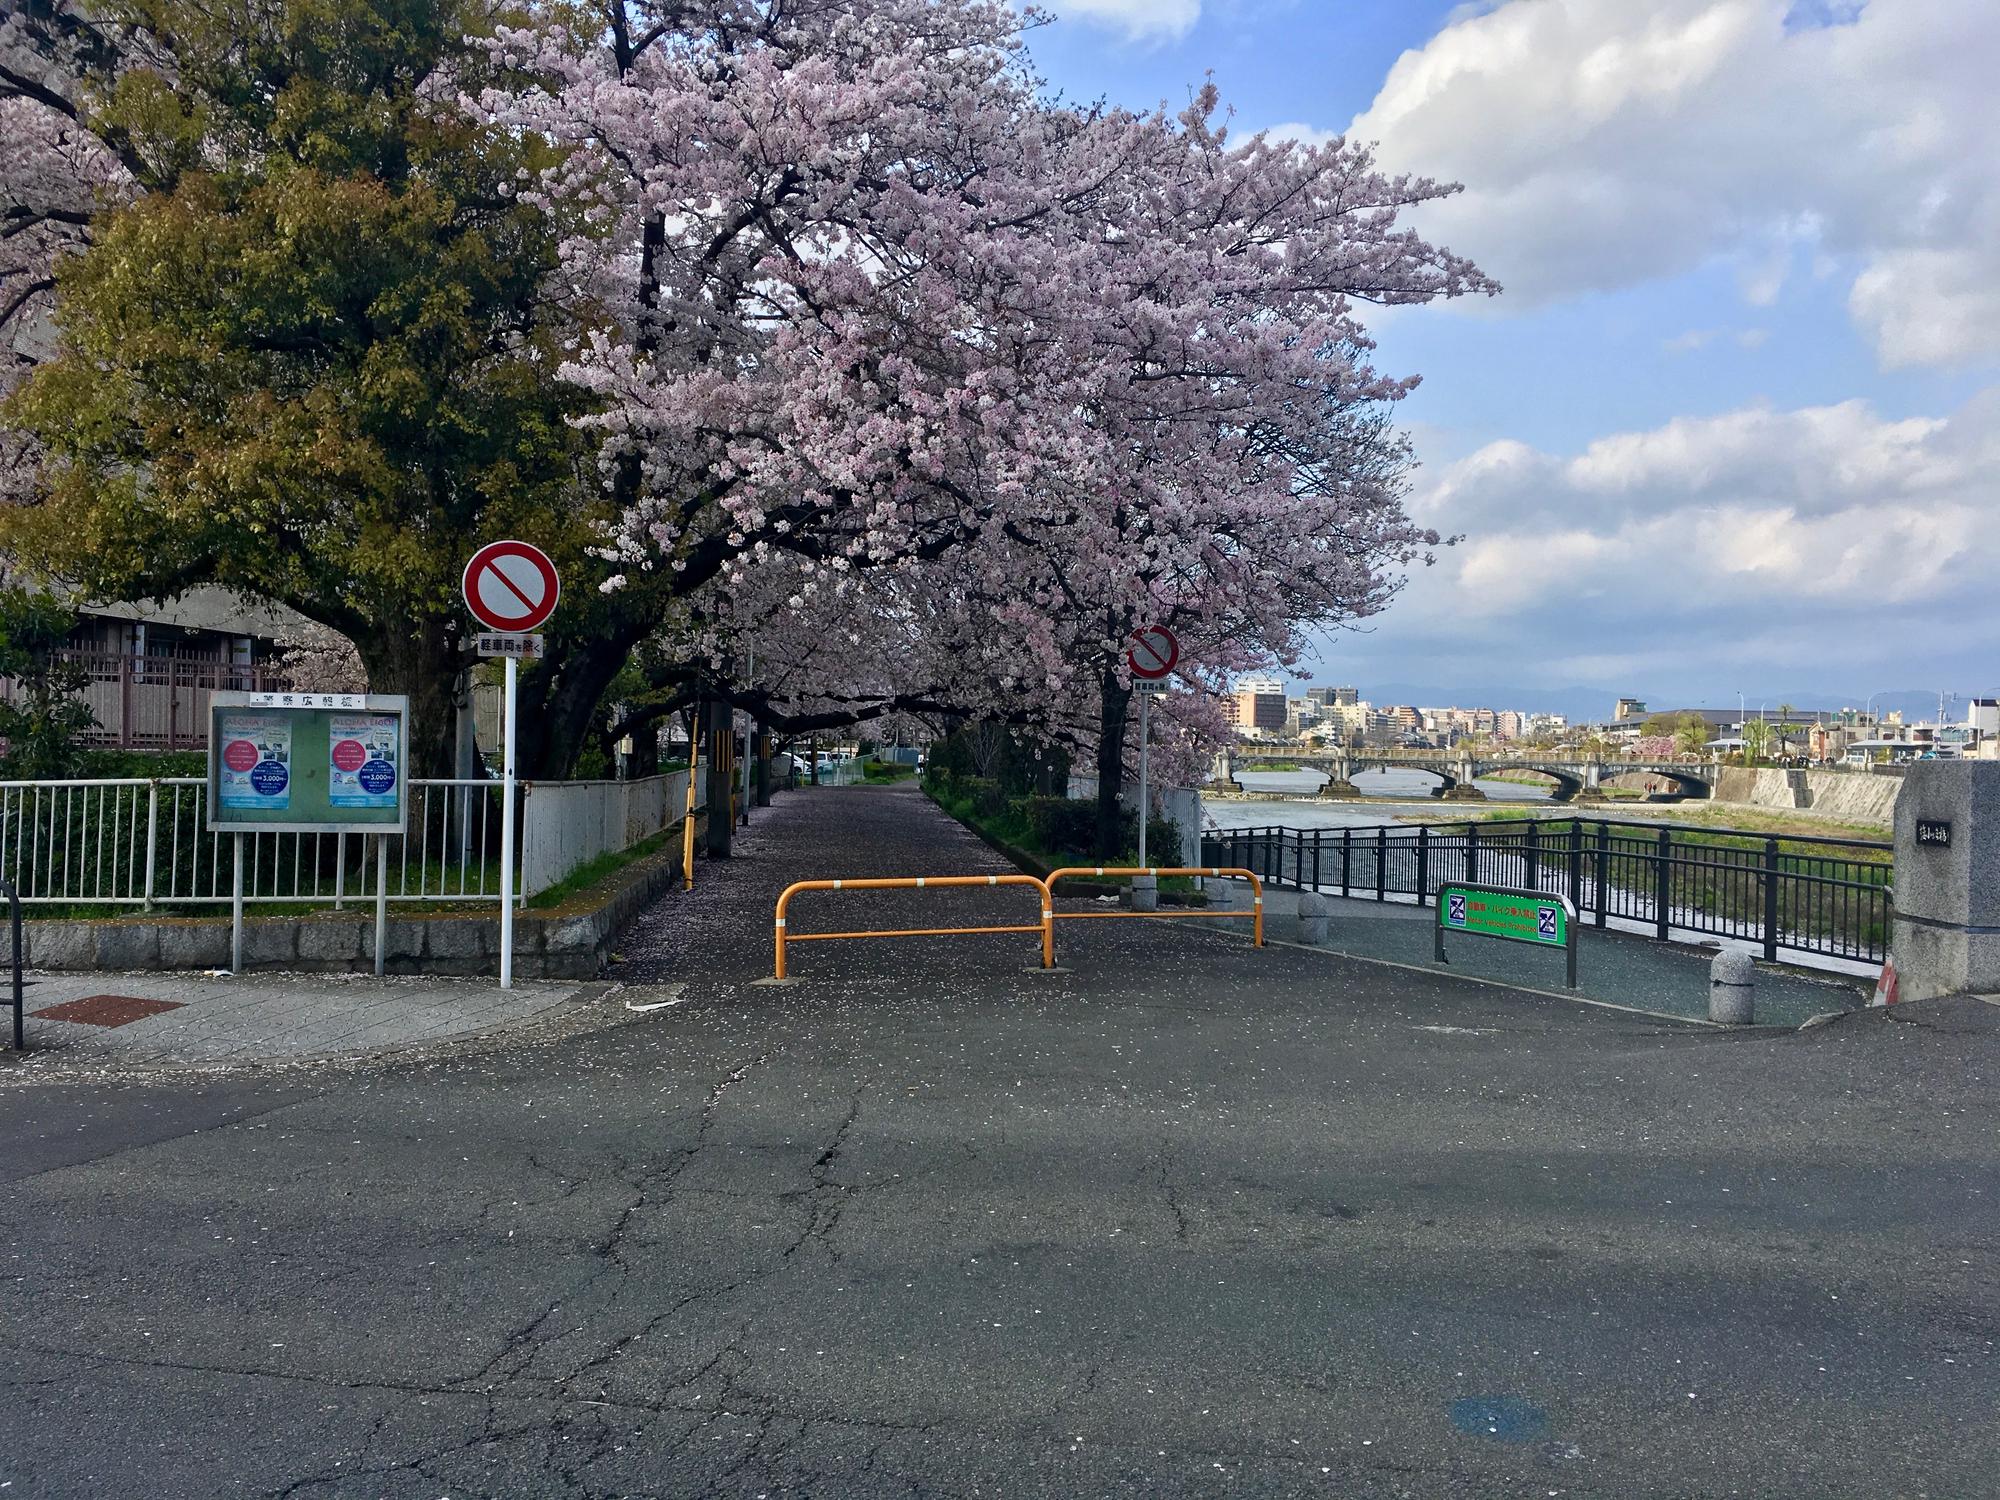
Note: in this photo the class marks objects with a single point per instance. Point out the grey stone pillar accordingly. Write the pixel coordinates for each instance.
(1145, 893)
(1312, 919)
(1947, 939)
(1732, 988)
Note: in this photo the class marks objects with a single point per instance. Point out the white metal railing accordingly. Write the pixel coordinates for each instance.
(145, 843)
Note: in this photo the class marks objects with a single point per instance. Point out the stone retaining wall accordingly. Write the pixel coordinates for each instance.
(1851, 796)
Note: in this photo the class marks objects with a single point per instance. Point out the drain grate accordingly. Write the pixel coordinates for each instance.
(108, 1010)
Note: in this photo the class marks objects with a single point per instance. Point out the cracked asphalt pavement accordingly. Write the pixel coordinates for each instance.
(1188, 1219)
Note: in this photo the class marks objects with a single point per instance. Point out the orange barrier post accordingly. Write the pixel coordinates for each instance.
(687, 824)
(781, 937)
(1256, 912)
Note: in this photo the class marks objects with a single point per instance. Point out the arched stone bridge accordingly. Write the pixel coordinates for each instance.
(1576, 777)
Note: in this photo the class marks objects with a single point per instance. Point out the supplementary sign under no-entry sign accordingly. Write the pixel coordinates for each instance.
(1514, 916)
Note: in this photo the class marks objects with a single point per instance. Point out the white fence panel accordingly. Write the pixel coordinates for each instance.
(567, 824)
(1181, 804)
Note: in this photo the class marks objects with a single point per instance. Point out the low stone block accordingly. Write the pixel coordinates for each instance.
(58, 945)
(461, 938)
(270, 943)
(128, 945)
(194, 945)
(578, 934)
(335, 943)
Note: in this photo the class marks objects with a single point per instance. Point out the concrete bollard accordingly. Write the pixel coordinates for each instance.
(1312, 918)
(1732, 988)
(1145, 893)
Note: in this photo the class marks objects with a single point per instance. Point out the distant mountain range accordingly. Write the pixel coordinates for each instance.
(1588, 705)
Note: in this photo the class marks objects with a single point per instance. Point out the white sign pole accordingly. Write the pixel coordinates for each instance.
(507, 833)
(381, 902)
(1145, 791)
(236, 912)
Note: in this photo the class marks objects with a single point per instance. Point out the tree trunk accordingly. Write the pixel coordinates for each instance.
(561, 706)
(1115, 704)
(645, 758)
(423, 666)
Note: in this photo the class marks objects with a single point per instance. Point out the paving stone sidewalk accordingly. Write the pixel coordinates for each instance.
(152, 1019)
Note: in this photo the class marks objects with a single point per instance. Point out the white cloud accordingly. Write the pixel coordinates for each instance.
(1701, 338)
(1139, 20)
(1607, 142)
(1931, 307)
(1310, 135)
(1708, 535)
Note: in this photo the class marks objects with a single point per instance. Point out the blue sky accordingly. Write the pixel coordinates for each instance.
(1732, 425)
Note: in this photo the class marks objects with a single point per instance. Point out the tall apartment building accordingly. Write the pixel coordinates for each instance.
(1335, 697)
(1258, 705)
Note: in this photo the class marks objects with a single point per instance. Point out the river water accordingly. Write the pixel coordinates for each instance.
(1384, 795)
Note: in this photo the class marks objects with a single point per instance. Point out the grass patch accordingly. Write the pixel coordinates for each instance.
(1012, 825)
(602, 868)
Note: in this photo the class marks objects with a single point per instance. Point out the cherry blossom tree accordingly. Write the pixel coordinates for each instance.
(887, 355)
(874, 301)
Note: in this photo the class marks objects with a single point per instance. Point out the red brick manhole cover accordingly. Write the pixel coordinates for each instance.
(107, 1010)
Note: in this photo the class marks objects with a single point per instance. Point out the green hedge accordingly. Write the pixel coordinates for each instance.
(1063, 828)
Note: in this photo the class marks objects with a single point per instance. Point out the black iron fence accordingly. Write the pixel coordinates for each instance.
(1823, 896)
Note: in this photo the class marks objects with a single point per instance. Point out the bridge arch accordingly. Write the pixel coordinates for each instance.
(1688, 780)
(1446, 772)
(1566, 781)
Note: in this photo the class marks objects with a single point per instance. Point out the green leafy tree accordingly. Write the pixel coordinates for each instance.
(1691, 734)
(1757, 737)
(43, 717)
(1785, 725)
(307, 355)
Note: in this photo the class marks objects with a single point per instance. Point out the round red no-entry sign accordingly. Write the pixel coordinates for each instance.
(1155, 650)
(511, 586)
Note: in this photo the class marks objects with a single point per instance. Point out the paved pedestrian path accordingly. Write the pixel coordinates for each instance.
(1188, 1219)
(150, 1020)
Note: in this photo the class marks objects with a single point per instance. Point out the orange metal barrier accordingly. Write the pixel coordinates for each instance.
(914, 883)
(1256, 912)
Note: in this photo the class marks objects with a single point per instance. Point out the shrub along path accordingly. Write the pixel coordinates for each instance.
(1191, 1218)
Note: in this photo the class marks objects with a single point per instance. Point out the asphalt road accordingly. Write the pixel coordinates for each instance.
(1187, 1220)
